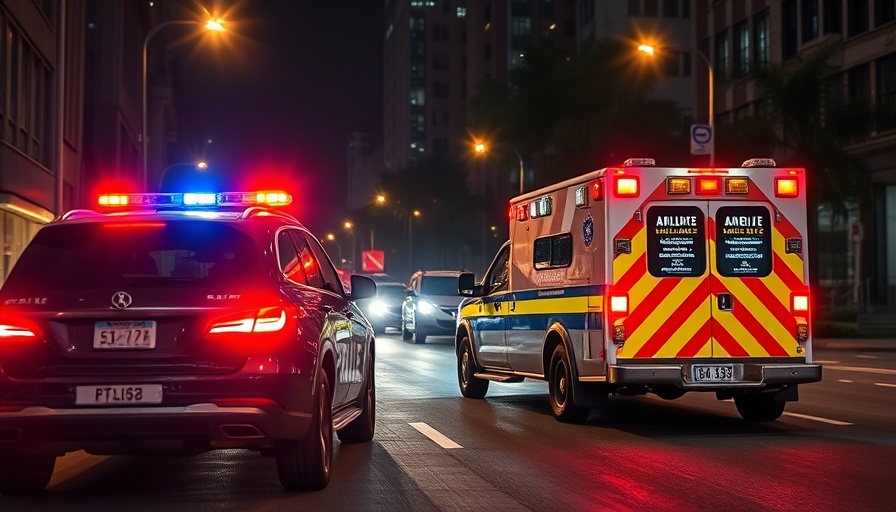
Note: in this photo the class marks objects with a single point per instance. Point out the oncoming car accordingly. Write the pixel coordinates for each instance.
(384, 310)
(430, 308)
(181, 323)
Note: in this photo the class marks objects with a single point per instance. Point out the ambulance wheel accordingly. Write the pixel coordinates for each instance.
(560, 389)
(470, 385)
(759, 407)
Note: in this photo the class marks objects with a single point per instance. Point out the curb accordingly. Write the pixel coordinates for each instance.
(864, 344)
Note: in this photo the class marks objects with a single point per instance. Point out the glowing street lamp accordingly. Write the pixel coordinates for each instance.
(212, 25)
(349, 226)
(651, 50)
(330, 237)
(200, 165)
(482, 148)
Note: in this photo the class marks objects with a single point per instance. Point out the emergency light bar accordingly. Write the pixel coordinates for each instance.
(194, 199)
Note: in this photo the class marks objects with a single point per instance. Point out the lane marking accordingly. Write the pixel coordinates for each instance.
(816, 418)
(845, 380)
(436, 436)
(885, 384)
(816, 361)
(865, 356)
(881, 371)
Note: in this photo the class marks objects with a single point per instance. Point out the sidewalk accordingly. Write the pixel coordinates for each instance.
(865, 344)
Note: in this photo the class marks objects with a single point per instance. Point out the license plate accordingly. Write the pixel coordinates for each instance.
(119, 394)
(125, 334)
(712, 373)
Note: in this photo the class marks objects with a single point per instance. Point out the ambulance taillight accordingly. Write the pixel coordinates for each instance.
(786, 187)
(627, 186)
(800, 304)
(709, 186)
(619, 304)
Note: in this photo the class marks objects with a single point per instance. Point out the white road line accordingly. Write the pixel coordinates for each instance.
(865, 356)
(881, 371)
(816, 418)
(845, 380)
(816, 361)
(436, 436)
(885, 384)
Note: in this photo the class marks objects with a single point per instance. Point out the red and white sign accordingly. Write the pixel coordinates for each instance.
(373, 261)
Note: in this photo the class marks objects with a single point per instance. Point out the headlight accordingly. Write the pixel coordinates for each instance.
(378, 307)
(425, 307)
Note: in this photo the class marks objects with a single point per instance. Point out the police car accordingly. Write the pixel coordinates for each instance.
(181, 323)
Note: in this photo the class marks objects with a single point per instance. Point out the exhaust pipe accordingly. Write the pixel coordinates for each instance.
(241, 431)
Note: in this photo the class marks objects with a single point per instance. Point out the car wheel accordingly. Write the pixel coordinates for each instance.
(305, 465)
(470, 385)
(560, 389)
(360, 430)
(759, 407)
(22, 473)
(419, 335)
(405, 333)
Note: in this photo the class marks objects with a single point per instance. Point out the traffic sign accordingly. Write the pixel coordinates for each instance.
(701, 139)
(373, 261)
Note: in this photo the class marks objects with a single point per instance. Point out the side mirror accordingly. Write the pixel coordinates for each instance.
(466, 285)
(363, 287)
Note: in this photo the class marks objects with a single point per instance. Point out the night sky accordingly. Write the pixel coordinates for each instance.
(280, 93)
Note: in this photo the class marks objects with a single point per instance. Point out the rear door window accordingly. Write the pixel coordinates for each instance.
(110, 254)
(676, 241)
(743, 241)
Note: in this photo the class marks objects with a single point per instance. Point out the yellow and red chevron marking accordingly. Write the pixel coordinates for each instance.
(676, 318)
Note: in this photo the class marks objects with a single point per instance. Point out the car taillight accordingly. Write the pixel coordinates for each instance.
(269, 319)
(13, 329)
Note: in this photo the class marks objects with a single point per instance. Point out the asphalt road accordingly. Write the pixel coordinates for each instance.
(433, 450)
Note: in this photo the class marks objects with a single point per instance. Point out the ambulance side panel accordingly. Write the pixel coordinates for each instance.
(557, 277)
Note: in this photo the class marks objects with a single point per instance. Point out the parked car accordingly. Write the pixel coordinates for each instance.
(179, 324)
(430, 308)
(384, 310)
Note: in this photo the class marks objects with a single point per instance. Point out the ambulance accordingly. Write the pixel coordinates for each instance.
(641, 279)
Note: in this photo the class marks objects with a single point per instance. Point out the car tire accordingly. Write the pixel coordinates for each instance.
(759, 407)
(470, 385)
(360, 429)
(23, 473)
(405, 333)
(419, 335)
(560, 380)
(305, 465)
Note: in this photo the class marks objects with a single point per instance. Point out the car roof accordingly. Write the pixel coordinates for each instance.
(440, 273)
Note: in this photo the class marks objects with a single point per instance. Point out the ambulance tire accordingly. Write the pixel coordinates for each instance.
(560, 389)
(759, 407)
(470, 385)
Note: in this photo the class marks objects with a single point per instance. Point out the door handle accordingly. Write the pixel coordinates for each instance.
(725, 301)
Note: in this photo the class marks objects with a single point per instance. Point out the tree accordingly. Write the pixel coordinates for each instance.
(570, 115)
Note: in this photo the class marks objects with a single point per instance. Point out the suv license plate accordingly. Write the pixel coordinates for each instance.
(119, 394)
(125, 334)
(712, 373)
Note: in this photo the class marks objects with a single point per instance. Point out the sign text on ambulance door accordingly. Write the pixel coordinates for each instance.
(743, 241)
(676, 241)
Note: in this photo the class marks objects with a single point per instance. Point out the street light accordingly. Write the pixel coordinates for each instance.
(213, 25)
(200, 165)
(411, 215)
(651, 50)
(481, 147)
(332, 238)
(349, 227)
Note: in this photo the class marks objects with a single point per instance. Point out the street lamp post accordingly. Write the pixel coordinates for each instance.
(332, 238)
(212, 25)
(411, 215)
(481, 147)
(348, 227)
(650, 50)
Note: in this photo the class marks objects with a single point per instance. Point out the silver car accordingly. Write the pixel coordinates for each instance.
(430, 309)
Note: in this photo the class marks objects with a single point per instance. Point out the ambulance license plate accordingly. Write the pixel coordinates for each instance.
(712, 373)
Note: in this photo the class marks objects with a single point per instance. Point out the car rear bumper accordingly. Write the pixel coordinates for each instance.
(195, 427)
(745, 375)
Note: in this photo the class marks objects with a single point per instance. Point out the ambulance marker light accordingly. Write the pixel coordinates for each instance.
(737, 186)
(627, 186)
(759, 162)
(597, 191)
(709, 186)
(802, 334)
(678, 186)
(786, 187)
(639, 162)
(619, 334)
(800, 303)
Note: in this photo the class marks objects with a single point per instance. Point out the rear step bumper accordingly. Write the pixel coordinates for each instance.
(745, 375)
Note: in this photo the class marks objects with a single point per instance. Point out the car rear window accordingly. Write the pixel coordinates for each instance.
(101, 254)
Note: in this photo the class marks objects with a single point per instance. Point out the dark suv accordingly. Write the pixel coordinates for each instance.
(183, 324)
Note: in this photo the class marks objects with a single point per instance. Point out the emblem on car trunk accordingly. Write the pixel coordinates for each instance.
(121, 300)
